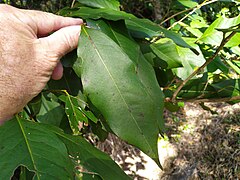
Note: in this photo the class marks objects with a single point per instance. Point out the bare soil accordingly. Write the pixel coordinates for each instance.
(199, 144)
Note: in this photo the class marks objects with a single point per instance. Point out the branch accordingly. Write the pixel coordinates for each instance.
(227, 99)
(185, 10)
(206, 2)
(73, 2)
(224, 41)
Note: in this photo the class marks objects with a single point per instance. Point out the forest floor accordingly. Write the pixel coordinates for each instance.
(199, 144)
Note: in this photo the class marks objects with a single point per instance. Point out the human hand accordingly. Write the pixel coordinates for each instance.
(29, 56)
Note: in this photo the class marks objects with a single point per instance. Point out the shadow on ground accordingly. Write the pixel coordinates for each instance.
(207, 145)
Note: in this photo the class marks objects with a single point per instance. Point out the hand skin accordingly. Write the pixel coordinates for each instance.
(29, 56)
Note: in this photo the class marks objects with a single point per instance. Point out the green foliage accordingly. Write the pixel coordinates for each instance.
(110, 4)
(125, 71)
(50, 153)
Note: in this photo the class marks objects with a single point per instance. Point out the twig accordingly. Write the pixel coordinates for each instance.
(185, 10)
(224, 41)
(206, 2)
(227, 99)
(73, 2)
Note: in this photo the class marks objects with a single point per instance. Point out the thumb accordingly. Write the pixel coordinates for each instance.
(62, 41)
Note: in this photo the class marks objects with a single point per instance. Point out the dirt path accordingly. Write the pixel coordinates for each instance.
(199, 145)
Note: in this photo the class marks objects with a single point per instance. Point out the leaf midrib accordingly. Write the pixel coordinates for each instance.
(138, 59)
(28, 147)
(98, 53)
(148, 29)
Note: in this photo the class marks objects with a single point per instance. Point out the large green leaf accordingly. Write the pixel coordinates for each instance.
(145, 71)
(91, 158)
(90, 13)
(31, 145)
(110, 80)
(117, 31)
(144, 28)
(140, 28)
(112, 4)
(50, 153)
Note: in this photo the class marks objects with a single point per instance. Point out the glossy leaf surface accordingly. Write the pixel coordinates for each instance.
(140, 28)
(182, 59)
(214, 37)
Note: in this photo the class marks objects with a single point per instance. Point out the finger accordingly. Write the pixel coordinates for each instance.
(45, 23)
(58, 72)
(62, 41)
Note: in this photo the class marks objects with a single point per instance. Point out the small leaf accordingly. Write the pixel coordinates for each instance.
(178, 40)
(217, 64)
(51, 112)
(90, 115)
(171, 107)
(144, 28)
(166, 50)
(200, 88)
(74, 112)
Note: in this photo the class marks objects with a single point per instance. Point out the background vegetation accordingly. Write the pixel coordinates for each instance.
(138, 57)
